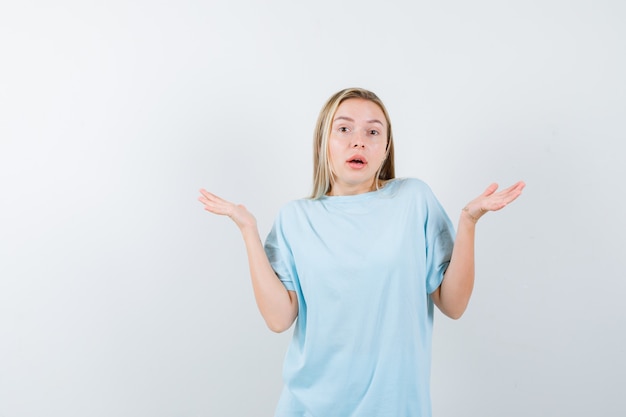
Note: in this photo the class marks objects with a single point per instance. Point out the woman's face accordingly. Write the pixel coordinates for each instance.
(356, 146)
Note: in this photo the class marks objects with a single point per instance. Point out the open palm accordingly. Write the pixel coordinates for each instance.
(237, 212)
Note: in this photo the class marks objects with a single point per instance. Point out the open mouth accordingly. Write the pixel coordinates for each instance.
(357, 162)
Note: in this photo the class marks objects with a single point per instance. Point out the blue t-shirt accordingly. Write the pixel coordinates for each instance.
(363, 267)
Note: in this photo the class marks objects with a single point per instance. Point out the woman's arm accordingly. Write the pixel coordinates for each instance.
(454, 293)
(278, 306)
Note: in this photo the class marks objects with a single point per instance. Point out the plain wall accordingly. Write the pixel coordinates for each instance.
(120, 296)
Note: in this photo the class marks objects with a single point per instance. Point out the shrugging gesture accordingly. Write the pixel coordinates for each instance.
(454, 293)
(237, 212)
(278, 306)
(491, 200)
(360, 295)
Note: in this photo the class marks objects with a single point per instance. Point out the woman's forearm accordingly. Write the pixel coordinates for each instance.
(278, 306)
(458, 282)
(454, 293)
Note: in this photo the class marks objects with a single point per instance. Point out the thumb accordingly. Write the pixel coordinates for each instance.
(490, 190)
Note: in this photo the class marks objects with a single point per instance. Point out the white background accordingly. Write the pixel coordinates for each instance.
(120, 296)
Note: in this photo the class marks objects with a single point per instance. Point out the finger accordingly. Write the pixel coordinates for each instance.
(512, 196)
(208, 199)
(208, 195)
(213, 198)
(216, 205)
(505, 197)
(204, 192)
(513, 192)
(518, 186)
(490, 190)
(218, 209)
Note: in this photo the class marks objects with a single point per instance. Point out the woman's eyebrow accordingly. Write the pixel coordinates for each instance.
(352, 120)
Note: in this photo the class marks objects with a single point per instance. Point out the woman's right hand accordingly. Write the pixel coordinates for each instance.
(237, 212)
(278, 306)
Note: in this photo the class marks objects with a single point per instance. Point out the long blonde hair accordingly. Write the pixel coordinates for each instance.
(322, 170)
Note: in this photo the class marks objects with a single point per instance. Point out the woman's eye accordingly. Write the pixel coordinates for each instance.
(374, 132)
(343, 129)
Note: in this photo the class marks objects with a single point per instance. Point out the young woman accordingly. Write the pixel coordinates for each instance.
(360, 264)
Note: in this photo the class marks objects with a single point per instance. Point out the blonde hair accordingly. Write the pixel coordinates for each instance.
(322, 170)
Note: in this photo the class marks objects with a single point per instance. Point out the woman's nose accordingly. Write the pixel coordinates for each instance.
(358, 140)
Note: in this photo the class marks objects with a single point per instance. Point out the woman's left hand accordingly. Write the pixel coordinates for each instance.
(491, 200)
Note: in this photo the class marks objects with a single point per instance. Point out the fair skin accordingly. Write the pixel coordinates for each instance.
(454, 293)
(278, 306)
(357, 148)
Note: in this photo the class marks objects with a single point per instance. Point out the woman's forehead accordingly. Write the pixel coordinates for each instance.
(362, 110)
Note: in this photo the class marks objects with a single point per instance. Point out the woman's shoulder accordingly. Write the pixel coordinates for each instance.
(409, 184)
(412, 189)
(293, 207)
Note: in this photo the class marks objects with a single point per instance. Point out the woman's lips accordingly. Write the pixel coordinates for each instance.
(356, 162)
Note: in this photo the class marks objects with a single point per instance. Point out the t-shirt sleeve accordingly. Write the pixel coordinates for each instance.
(439, 243)
(280, 255)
